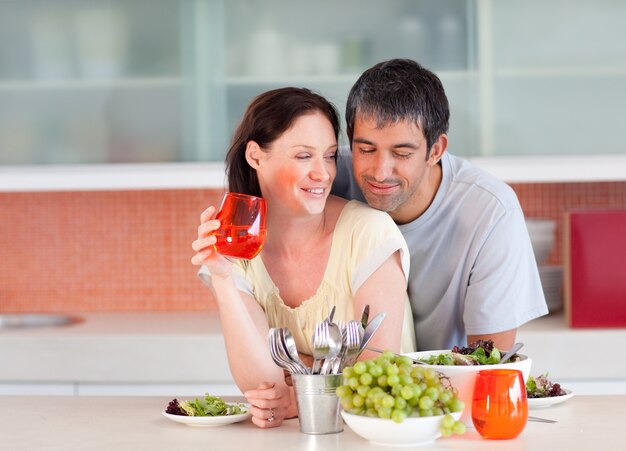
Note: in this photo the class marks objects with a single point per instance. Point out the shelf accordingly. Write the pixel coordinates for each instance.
(562, 71)
(82, 84)
(561, 169)
(555, 169)
(112, 177)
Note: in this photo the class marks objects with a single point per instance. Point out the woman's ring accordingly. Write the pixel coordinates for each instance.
(271, 418)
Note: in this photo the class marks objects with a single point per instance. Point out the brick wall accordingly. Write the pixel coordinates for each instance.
(101, 251)
(131, 250)
(553, 200)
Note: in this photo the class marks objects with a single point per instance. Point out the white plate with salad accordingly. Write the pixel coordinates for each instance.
(540, 403)
(541, 392)
(209, 411)
(207, 421)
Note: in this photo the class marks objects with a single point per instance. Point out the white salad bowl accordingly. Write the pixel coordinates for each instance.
(462, 377)
(411, 432)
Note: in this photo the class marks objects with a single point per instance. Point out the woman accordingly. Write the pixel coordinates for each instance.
(320, 251)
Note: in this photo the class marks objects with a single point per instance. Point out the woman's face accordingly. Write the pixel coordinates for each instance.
(297, 170)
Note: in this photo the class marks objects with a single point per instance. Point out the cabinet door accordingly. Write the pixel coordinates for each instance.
(557, 72)
(90, 81)
(114, 81)
(325, 45)
(108, 81)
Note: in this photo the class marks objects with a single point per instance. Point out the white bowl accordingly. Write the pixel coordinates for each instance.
(412, 431)
(462, 377)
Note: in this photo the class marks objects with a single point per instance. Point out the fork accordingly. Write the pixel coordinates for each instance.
(351, 335)
(353, 346)
(321, 346)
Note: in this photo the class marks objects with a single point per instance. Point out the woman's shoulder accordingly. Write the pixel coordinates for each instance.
(369, 235)
(358, 218)
(358, 210)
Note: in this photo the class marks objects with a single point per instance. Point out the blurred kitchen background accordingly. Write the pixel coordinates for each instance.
(115, 116)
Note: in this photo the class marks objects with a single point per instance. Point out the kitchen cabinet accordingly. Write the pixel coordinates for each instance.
(90, 82)
(123, 81)
(144, 81)
(554, 77)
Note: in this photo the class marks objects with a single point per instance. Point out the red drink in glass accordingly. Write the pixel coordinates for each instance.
(499, 405)
(242, 231)
(239, 242)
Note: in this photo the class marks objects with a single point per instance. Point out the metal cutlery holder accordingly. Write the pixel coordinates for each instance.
(318, 403)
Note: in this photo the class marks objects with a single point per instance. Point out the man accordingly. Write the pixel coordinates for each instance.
(473, 272)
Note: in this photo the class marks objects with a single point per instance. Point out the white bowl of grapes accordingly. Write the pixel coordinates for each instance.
(390, 401)
(461, 365)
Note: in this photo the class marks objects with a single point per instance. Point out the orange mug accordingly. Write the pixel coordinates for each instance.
(499, 405)
(242, 229)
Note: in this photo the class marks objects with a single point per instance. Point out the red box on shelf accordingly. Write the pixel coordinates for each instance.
(595, 268)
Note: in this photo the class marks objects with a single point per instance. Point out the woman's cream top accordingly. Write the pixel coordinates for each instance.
(363, 239)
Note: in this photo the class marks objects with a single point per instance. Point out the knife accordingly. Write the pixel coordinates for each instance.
(365, 316)
(541, 420)
(380, 351)
(371, 329)
(331, 315)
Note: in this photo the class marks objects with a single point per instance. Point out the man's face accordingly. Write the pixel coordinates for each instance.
(391, 168)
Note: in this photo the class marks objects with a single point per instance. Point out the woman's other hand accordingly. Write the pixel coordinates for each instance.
(271, 403)
(205, 252)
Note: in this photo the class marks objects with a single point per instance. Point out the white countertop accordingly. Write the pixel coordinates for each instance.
(187, 347)
(568, 353)
(136, 423)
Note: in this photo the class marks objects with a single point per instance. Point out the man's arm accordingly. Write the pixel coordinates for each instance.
(502, 340)
(505, 290)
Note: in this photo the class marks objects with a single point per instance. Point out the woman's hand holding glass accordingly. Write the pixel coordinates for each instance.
(204, 246)
(237, 231)
(242, 228)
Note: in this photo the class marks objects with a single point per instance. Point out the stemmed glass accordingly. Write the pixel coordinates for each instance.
(499, 405)
(242, 231)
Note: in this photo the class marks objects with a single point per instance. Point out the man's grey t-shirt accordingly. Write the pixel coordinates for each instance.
(473, 270)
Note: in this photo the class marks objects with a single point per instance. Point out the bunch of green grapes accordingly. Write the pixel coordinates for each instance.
(391, 387)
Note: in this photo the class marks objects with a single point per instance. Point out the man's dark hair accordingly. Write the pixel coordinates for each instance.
(400, 90)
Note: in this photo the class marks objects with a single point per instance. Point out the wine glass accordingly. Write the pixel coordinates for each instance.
(242, 229)
(499, 405)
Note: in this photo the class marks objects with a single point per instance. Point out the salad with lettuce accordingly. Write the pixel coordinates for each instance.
(209, 406)
(542, 387)
(481, 352)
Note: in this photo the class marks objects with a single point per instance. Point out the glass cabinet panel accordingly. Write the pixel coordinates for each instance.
(167, 80)
(90, 81)
(559, 77)
(325, 45)
(117, 81)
